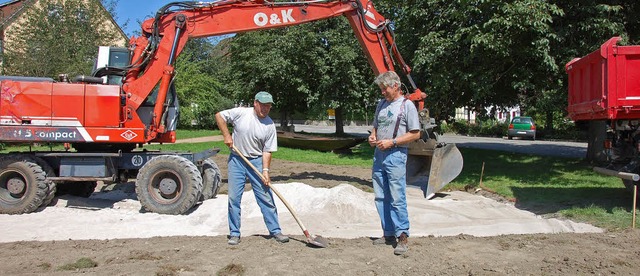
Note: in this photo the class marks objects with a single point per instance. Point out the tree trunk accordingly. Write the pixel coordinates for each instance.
(339, 122)
(596, 136)
(284, 120)
(548, 125)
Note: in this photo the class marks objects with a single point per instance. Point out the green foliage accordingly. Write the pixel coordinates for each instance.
(487, 128)
(198, 90)
(482, 53)
(308, 68)
(57, 37)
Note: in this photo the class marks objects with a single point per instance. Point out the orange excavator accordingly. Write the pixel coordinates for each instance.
(106, 117)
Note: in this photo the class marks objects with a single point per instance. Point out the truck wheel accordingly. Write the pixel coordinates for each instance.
(509, 137)
(168, 184)
(211, 179)
(23, 185)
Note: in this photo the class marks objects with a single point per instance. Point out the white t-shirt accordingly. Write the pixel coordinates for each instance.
(252, 135)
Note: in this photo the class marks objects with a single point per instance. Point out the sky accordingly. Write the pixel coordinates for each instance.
(137, 10)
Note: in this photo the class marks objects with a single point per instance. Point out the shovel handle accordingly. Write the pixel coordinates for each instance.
(293, 213)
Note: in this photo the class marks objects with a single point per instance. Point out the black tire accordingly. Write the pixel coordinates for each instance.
(23, 185)
(168, 184)
(211, 179)
(509, 137)
(51, 186)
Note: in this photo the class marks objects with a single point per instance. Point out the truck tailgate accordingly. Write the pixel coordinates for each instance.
(605, 84)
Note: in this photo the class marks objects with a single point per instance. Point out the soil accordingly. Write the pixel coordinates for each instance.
(534, 254)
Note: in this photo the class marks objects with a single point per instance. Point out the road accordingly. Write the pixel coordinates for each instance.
(564, 149)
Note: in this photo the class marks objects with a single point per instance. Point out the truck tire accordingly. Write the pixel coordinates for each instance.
(211, 179)
(168, 184)
(23, 185)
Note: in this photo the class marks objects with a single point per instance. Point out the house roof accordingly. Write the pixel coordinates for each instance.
(11, 10)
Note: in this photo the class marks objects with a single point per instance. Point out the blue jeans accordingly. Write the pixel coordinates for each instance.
(389, 186)
(238, 173)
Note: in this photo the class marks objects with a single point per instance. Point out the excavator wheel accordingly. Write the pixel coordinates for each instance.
(23, 185)
(51, 186)
(211, 179)
(168, 184)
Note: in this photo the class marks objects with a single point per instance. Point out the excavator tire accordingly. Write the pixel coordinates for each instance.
(168, 184)
(211, 179)
(23, 185)
(51, 186)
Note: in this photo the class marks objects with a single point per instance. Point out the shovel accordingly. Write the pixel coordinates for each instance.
(314, 240)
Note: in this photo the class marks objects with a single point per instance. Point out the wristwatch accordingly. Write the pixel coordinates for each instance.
(395, 143)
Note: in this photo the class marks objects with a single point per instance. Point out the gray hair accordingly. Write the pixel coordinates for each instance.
(388, 79)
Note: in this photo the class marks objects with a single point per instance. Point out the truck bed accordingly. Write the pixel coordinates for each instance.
(605, 84)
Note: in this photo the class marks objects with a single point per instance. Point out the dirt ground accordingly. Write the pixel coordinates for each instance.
(537, 254)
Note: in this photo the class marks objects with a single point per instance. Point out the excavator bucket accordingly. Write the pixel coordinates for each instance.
(432, 165)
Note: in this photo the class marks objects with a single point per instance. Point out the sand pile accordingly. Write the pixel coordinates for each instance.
(342, 212)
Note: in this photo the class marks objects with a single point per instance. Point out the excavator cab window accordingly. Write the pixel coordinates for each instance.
(110, 64)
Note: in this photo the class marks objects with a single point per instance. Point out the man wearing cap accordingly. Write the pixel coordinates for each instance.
(254, 134)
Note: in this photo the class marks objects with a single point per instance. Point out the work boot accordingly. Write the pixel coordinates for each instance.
(403, 245)
(386, 240)
(281, 238)
(234, 240)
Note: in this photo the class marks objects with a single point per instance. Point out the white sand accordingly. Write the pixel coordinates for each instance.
(341, 212)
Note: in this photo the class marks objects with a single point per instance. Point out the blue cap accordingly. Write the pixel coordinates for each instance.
(264, 97)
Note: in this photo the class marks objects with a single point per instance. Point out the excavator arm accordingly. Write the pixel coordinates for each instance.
(164, 37)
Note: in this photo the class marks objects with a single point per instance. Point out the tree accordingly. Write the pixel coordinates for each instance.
(478, 53)
(199, 92)
(58, 37)
(308, 68)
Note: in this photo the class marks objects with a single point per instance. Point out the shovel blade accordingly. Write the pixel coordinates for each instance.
(319, 241)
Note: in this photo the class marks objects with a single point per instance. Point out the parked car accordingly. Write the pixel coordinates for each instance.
(523, 127)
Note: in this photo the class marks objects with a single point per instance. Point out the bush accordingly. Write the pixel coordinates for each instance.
(489, 128)
(563, 130)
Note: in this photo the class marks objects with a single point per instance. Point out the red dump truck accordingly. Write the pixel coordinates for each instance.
(605, 86)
